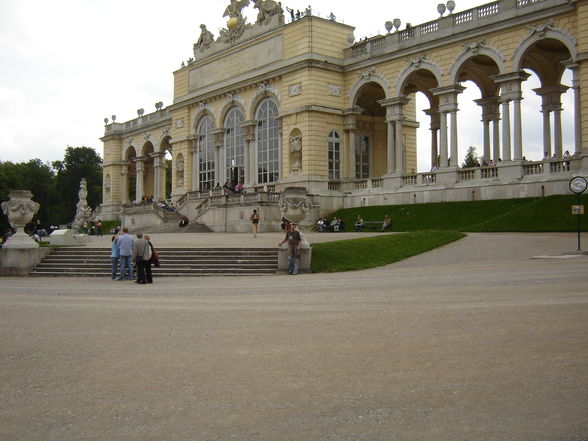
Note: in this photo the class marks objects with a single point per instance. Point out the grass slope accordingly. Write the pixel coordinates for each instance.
(552, 213)
(356, 254)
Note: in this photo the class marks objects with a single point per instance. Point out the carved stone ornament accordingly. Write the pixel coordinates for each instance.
(475, 46)
(417, 61)
(294, 204)
(20, 209)
(295, 89)
(206, 108)
(366, 74)
(541, 29)
(334, 90)
(267, 10)
(107, 183)
(147, 136)
(295, 143)
(180, 165)
(233, 98)
(179, 123)
(265, 89)
(205, 40)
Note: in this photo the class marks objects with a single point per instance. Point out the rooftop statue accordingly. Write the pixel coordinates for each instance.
(204, 41)
(267, 9)
(236, 24)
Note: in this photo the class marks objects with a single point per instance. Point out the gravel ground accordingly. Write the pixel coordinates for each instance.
(473, 341)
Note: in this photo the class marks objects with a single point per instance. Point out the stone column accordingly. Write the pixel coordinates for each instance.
(395, 139)
(506, 152)
(399, 143)
(489, 107)
(140, 165)
(390, 144)
(454, 158)
(546, 132)
(511, 90)
(551, 102)
(159, 175)
(577, 108)
(496, 139)
(518, 134)
(443, 156)
(249, 160)
(124, 183)
(435, 125)
(219, 155)
(448, 104)
(558, 137)
(351, 127)
(195, 184)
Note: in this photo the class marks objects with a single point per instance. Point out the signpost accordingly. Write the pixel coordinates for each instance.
(578, 186)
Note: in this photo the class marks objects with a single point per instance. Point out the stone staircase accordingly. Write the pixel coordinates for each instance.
(175, 262)
(173, 227)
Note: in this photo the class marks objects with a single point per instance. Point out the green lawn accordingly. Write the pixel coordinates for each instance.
(552, 213)
(370, 252)
(428, 226)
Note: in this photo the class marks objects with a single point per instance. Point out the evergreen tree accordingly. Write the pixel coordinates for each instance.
(470, 160)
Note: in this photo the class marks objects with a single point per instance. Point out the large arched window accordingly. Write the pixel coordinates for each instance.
(234, 147)
(267, 136)
(206, 164)
(334, 142)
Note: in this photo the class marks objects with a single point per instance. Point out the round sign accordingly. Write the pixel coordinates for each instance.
(578, 185)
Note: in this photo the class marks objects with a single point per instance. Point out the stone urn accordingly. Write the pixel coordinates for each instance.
(294, 204)
(20, 209)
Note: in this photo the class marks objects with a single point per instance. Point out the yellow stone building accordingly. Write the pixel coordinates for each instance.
(273, 105)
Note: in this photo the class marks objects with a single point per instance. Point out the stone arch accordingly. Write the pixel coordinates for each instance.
(544, 32)
(365, 79)
(164, 141)
(126, 154)
(473, 50)
(231, 103)
(416, 65)
(263, 91)
(201, 111)
(147, 148)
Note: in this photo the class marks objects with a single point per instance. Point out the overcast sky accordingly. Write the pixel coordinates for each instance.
(65, 65)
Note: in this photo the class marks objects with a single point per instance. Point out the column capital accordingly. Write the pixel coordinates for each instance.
(448, 97)
(351, 115)
(510, 84)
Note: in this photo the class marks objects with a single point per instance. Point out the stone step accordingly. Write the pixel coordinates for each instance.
(95, 262)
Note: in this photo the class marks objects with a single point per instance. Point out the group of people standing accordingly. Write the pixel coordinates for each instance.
(126, 250)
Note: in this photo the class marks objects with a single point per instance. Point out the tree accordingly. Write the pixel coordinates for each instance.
(78, 163)
(470, 160)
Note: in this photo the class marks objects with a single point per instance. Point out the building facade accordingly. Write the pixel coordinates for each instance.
(301, 104)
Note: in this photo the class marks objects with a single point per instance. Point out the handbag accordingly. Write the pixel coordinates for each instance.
(155, 259)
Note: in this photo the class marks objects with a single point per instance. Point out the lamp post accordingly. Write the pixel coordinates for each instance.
(578, 186)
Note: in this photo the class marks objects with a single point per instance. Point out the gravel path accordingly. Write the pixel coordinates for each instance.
(473, 341)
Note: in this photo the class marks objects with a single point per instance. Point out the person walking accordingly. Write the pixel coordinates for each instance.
(114, 257)
(141, 255)
(148, 273)
(125, 243)
(294, 241)
(255, 218)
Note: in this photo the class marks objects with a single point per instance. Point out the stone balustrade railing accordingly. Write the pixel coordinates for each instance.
(494, 12)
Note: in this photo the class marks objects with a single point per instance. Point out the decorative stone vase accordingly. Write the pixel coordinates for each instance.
(20, 209)
(451, 6)
(441, 9)
(294, 204)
